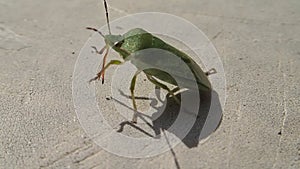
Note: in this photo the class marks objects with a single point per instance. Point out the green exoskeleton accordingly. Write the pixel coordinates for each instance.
(136, 40)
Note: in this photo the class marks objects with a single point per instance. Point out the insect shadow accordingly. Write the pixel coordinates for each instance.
(207, 120)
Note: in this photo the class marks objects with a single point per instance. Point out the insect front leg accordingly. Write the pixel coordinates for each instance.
(106, 47)
(103, 63)
(112, 62)
(132, 86)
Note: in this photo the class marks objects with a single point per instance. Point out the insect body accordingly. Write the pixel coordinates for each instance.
(130, 45)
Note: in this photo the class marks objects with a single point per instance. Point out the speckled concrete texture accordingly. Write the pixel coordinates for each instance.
(258, 42)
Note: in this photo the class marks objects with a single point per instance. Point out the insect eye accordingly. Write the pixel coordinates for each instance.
(119, 44)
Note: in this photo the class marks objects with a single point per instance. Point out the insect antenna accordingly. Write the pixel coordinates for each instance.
(107, 19)
(96, 30)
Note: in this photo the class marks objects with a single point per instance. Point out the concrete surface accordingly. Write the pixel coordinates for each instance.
(259, 44)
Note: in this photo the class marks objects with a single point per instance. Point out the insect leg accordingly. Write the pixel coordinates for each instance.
(132, 86)
(104, 58)
(211, 71)
(157, 83)
(96, 30)
(103, 63)
(176, 89)
(99, 51)
(112, 62)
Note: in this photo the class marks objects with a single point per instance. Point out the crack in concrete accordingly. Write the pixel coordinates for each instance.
(284, 112)
(214, 37)
(60, 158)
(88, 156)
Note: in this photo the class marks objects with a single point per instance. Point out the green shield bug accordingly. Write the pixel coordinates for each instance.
(136, 40)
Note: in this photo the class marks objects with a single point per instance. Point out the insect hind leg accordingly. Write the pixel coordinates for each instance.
(211, 71)
(132, 86)
(157, 83)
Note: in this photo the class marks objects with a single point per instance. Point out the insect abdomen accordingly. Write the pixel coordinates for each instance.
(201, 78)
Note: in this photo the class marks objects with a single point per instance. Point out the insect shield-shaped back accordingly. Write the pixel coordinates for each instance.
(132, 41)
(138, 39)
